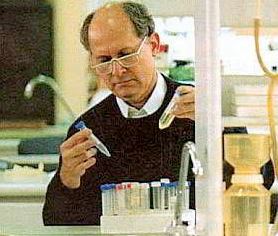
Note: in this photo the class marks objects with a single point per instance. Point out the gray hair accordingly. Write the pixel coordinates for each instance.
(137, 13)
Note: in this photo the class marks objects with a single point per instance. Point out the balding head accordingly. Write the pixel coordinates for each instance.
(137, 14)
(108, 22)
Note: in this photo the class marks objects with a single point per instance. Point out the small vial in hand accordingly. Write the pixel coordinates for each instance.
(167, 117)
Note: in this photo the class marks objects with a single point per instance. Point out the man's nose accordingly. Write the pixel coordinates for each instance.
(117, 69)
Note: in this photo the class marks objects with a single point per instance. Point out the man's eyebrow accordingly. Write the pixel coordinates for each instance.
(127, 50)
(122, 50)
(103, 57)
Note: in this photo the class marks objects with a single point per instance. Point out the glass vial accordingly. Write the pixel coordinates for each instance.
(167, 117)
(156, 195)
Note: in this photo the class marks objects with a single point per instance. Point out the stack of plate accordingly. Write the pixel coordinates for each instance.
(251, 101)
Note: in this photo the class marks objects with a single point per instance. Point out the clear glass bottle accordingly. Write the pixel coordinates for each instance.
(247, 201)
(247, 210)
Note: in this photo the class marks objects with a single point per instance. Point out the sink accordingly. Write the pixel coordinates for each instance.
(40, 145)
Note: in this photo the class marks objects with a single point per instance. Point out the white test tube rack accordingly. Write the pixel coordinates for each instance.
(127, 203)
(151, 222)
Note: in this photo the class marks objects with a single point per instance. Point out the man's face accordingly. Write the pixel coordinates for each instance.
(112, 35)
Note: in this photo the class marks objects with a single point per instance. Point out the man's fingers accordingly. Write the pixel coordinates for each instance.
(72, 162)
(81, 168)
(87, 155)
(78, 149)
(184, 113)
(78, 137)
(181, 109)
(185, 104)
(184, 89)
(189, 115)
(77, 155)
(186, 98)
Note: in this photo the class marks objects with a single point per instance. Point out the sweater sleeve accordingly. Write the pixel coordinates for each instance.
(58, 202)
(65, 206)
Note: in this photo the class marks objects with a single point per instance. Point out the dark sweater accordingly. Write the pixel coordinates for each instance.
(140, 152)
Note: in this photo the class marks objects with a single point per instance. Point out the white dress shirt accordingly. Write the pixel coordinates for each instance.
(151, 106)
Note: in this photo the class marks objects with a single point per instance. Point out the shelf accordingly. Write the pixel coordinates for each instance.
(244, 10)
(32, 159)
(233, 121)
(20, 133)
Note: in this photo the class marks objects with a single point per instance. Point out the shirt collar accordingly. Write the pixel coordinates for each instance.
(153, 103)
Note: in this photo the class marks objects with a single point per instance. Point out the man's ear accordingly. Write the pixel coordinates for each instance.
(155, 43)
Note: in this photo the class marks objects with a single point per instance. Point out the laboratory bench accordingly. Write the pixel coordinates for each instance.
(22, 194)
(16, 230)
(19, 230)
(19, 145)
(31, 159)
(22, 198)
(47, 131)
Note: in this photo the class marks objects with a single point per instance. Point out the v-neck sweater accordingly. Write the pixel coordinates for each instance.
(140, 152)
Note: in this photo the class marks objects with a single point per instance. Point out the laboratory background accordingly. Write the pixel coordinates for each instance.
(46, 83)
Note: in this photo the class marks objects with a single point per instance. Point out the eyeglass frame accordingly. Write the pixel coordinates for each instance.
(118, 60)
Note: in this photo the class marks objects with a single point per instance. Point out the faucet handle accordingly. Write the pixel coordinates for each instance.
(197, 166)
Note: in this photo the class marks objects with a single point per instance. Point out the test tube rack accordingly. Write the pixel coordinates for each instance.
(150, 222)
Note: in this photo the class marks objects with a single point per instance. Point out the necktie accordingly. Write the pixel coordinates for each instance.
(134, 113)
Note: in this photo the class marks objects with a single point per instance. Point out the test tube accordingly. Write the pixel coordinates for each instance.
(120, 199)
(162, 194)
(144, 196)
(100, 146)
(167, 196)
(174, 186)
(165, 180)
(185, 204)
(156, 195)
(127, 192)
(113, 198)
(173, 195)
(106, 200)
(135, 197)
(164, 197)
(167, 117)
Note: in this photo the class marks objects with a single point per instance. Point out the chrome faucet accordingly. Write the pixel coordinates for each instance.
(188, 151)
(42, 79)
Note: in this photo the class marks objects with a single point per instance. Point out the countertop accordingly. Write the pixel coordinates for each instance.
(20, 133)
(26, 186)
(56, 230)
(31, 159)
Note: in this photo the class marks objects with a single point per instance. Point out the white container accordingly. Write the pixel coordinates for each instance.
(142, 223)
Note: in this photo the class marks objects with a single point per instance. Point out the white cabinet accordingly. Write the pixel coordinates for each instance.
(15, 211)
(21, 200)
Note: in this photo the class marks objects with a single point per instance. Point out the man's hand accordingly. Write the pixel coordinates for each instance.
(185, 103)
(77, 156)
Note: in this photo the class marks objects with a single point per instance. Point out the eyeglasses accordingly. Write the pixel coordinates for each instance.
(127, 61)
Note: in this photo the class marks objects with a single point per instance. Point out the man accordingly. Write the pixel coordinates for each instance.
(122, 43)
